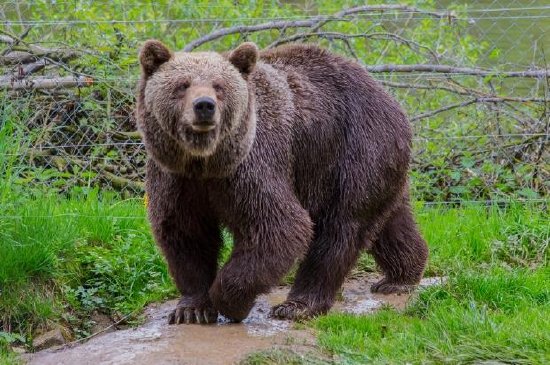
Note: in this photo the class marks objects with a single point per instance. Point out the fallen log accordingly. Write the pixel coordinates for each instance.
(45, 83)
(34, 53)
(447, 69)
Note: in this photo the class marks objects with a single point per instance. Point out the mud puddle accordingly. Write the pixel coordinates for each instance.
(155, 342)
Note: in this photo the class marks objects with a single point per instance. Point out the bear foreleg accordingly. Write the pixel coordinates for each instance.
(265, 249)
(189, 238)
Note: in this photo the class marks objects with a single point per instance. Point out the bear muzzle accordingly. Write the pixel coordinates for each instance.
(204, 108)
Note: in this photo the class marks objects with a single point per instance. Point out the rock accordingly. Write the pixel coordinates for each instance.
(19, 349)
(49, 339)
(436, 280)
(102, 322)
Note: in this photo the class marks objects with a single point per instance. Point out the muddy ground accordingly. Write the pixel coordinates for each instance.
(155, 342)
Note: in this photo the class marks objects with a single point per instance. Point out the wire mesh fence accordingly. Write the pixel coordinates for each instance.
(473, 79)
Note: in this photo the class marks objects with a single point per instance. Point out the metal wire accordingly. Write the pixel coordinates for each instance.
(73, 139)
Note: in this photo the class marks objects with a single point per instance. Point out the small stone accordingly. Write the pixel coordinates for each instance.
(19, 349)
(436, 280)
(49, 339)
(102, 323)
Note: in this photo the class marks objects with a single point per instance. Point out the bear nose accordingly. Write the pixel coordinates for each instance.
(204, 108)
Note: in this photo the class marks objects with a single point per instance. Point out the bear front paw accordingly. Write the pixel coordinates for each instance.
(189, 312)
(293, 310)
(231, 300)
(385, 286)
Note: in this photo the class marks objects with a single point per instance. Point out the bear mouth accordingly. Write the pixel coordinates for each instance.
(203, 126)
(200, 141)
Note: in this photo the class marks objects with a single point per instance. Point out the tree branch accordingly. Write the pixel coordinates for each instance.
(457, 105)
(380, 8)
(23, 71)
(220, 33)
(337, 35)
(314, 22)
(45, 83)
(12, 40)
(443, 109)
(18, 56)
(6, 39)
(469, 92)
(456, 70)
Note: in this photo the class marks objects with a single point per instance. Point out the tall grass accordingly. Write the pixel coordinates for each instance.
(64, 256)
(499, 315)
(12, 145)
(495, 305)
(76, 255)
(477, 236)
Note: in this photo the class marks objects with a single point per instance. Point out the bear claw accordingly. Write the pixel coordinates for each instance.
(291, 309)
(189, 315)
(386, 287)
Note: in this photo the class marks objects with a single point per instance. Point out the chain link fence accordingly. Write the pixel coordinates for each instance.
(473, 79)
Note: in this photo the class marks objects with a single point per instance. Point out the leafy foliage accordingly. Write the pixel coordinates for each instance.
(480, 151)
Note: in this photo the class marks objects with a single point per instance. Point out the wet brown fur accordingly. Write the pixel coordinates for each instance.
(309, 163)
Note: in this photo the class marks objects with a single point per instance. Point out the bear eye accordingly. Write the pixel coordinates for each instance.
(181, 88)
(217, 87)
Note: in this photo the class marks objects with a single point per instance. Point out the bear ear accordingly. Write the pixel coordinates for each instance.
(152, 55)
(244, 57)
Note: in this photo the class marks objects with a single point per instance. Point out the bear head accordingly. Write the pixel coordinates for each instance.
(197, 99)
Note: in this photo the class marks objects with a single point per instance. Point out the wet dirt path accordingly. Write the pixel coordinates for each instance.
(157, 343)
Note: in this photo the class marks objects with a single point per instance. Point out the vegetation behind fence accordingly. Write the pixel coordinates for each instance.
(474, 81)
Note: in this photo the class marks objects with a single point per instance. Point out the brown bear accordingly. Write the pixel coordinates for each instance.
(298, 152)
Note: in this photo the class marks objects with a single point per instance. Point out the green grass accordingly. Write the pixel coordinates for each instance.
(284, 356)
(66, 257)
(63, 258)
(476, 236)
(499, 315)
(8, 358)
(495, 305)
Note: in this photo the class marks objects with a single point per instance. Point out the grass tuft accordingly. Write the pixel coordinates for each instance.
(277, 356)
(495, 305)
(450, 333)
(66, 258)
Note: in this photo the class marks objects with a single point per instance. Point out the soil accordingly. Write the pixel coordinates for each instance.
(156, 342)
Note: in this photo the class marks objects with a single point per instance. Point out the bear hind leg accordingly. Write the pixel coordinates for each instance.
(401, 253)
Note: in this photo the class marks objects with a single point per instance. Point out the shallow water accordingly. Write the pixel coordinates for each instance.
(156, 342)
